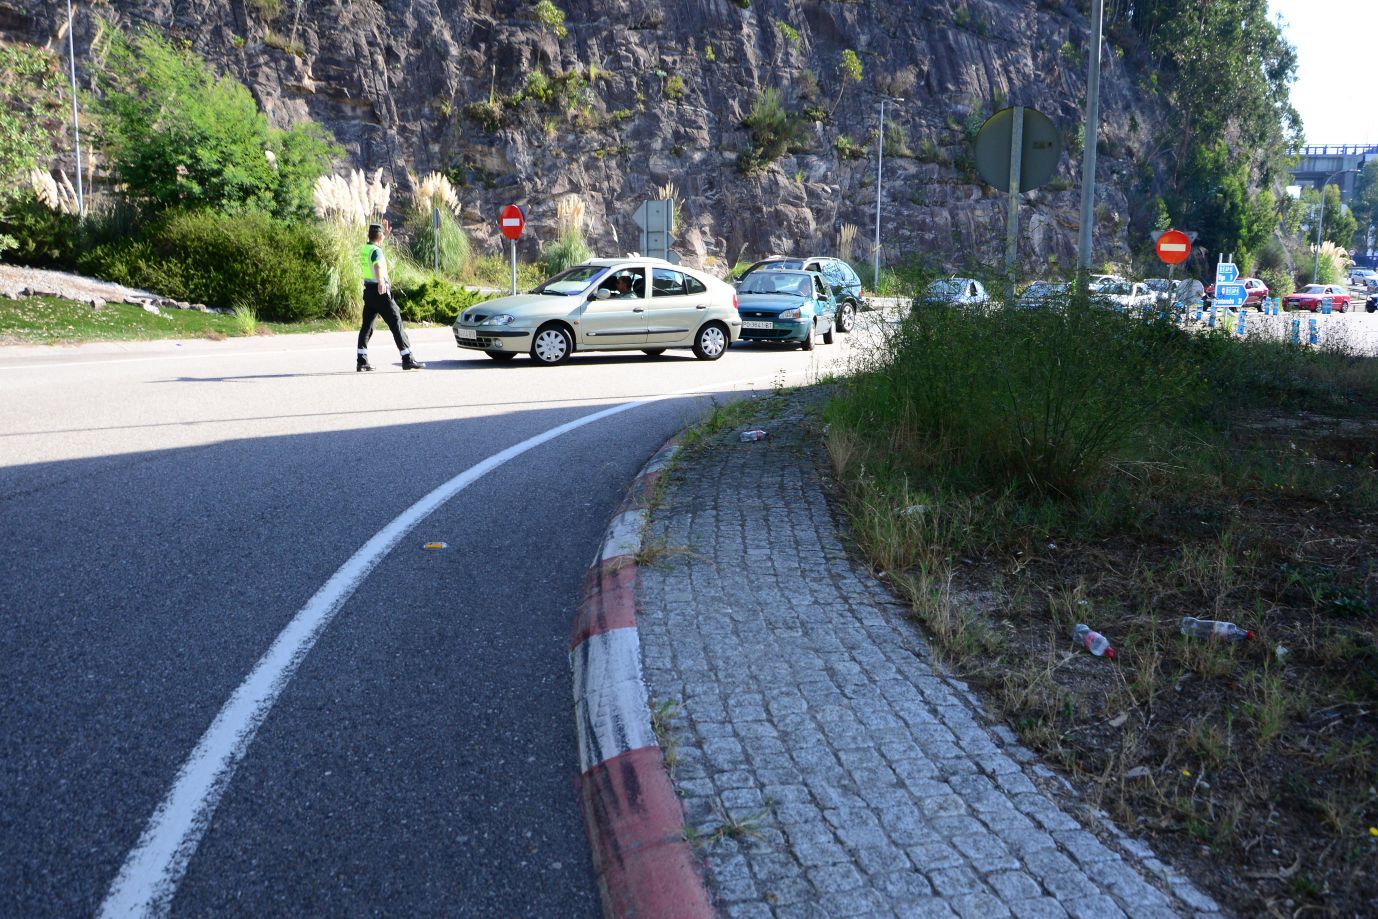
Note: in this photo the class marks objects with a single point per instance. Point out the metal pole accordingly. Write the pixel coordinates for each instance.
(1316, 265)
(76, 127)
(1088, 159)
(880, 157)
(514, 267)
(1012, 223)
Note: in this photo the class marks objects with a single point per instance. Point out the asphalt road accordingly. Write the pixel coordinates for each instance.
(170, 507)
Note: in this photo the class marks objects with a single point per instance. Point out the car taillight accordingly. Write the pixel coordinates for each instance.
(734, 302)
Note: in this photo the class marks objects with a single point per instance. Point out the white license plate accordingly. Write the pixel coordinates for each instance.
(756, 324)
(471, 334)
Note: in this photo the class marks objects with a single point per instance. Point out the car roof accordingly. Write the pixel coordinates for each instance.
(609, 262)
(800, 271)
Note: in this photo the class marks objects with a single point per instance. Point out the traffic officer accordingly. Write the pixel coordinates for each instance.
(378, 302)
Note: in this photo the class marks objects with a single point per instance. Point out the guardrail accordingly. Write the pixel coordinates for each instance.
(1339, 149)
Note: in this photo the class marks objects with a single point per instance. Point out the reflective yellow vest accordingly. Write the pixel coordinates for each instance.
(366, 261)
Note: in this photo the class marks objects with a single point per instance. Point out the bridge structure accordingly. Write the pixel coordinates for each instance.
(1319, 162)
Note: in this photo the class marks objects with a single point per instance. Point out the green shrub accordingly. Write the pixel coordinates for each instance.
(454, 243)
(566, 252)
(278, 269)
(43, 237)
(848, 149)
(774, 130)
(1279, 281)
(436, 300)
(1041, 402)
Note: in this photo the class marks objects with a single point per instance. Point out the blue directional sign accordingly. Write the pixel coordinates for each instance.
(1230, 294)
(1226, 272)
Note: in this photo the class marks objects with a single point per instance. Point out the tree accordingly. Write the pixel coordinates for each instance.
(1339, 223)
(1365, 203)
(1228, 72)
(30, 117)
(178, 134)
(848, 71)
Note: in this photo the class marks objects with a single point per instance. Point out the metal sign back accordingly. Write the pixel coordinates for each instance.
(1040, 151)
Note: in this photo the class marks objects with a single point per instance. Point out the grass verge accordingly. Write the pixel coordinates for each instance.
(1014, 474)
(53, 320)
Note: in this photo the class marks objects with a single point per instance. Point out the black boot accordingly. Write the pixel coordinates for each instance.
(362, 365)
(411, 363)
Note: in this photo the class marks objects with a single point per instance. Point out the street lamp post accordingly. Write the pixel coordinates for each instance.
(1320, 224)
(880, 158)
(76, 127)
(1088, 153)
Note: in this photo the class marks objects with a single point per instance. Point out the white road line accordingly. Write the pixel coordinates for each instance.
(148, 880)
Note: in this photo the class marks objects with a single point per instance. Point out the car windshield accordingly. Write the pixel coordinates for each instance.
(795, 285)
(784, 264)
(1119, 288)
(1313, 289)
(572, 282)
(949, 288)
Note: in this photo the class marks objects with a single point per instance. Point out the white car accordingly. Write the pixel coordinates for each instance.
(607, 304)
(1359, 277)
(1044, 295)
(954, 292)
(1128, 295)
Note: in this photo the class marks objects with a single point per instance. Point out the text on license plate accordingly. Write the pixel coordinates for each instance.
(467, 333)
(757, 324)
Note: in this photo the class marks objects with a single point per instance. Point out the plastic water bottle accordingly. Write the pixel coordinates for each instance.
(749, 436)
(1213, 628)
(1092, 641)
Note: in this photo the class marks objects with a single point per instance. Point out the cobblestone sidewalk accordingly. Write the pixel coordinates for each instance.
(844, 775)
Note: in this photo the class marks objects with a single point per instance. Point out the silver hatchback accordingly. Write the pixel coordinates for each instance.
(607, 304)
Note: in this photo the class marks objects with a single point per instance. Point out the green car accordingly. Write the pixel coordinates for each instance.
(786, 306)
(607, 304)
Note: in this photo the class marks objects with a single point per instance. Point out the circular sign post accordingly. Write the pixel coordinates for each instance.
(1173, 247)
(1017, 150)
(512, 220)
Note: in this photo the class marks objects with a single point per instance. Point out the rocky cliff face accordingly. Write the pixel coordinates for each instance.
(638, 93)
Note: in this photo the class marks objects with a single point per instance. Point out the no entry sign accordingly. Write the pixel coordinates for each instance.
(1173, 247)
(512, 220)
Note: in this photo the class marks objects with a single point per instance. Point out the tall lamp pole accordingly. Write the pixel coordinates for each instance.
(1088, 158)
(880, 158)
(1320, 224)
(76, 127)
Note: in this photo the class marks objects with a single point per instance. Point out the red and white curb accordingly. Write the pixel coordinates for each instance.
(644, 865)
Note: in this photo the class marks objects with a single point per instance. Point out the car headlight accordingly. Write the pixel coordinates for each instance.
(795, 313)
(500, 319)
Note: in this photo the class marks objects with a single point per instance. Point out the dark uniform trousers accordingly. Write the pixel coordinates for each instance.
(375, 305)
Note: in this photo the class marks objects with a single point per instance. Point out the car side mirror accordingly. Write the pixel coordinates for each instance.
(602, 293)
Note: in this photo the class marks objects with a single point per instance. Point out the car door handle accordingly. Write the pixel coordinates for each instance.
(701, 306)
(638, 309)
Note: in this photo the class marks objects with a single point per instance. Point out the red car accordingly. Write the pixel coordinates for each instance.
(1310, 297)
(1255, 292)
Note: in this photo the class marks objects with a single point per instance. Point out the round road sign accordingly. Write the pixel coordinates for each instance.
(512, 220)
(1173, 247)
(1039, 154)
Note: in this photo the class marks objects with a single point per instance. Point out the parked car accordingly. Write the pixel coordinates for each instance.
(607, 304)
(845, 285)
(1255, 292)
(1097, 281)
(787, 306)
(1043, 295)
(1359, 276)
(1158, 285)
(1310, 297)
(1371, 304)
(1129, 295)
(953, 292)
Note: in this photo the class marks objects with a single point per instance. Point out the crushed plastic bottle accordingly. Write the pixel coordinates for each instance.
(1092, 641)
(749, 436)
(1213, 628)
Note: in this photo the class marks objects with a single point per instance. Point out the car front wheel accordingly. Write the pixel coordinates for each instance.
(807, 343)
(711, 341)
(552, 346)
(846, 317)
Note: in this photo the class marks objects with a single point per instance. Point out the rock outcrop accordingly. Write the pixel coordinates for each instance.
(637, 94)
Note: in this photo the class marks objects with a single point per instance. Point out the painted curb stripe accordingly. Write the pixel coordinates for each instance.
(609, 602)
(624, 535)
(610, 703)
(645, 868)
